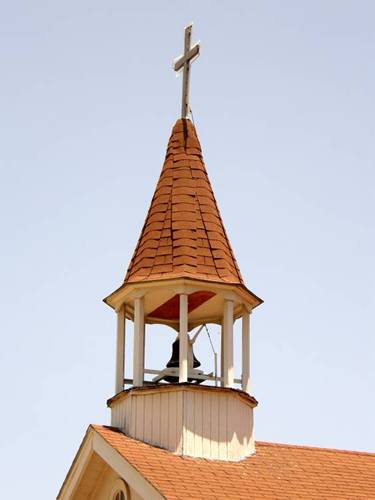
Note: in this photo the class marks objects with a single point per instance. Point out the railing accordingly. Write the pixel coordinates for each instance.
(198, 376)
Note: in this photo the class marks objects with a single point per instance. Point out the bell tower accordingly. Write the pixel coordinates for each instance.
(183, 275)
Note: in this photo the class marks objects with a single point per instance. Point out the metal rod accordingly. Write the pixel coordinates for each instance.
(196, 334)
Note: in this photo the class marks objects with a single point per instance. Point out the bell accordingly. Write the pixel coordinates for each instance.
(174, 362)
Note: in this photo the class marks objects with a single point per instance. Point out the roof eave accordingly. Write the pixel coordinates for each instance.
(119, 296)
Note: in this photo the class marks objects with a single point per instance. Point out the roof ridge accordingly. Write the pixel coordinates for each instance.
(318, 448)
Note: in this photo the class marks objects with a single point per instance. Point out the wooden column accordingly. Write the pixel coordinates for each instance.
(222, 354)
(120, 350)
(183, 337)
(228, 344)
(139, 338)
(246, 352)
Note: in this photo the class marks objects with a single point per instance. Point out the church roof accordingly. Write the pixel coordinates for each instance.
(183, 235)
(275, 471)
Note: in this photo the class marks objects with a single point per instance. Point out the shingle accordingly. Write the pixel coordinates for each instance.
(275, 471)
(183, 234)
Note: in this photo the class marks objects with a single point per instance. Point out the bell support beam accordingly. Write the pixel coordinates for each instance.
(139, 342)
(228, 344)
(183, 337)
(246, 352)
(120, 350)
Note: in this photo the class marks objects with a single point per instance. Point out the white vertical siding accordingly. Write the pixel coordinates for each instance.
(197, 423)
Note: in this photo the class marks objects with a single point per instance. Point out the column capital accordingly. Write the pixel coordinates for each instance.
(184, 289)
(247, 309)
(229, 296)
(120, 308)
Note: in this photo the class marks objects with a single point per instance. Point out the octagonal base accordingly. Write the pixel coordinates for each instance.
(186, 419)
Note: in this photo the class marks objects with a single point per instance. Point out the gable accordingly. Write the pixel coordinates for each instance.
(96, 470)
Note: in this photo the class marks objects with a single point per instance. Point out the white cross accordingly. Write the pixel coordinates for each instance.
(183, 62)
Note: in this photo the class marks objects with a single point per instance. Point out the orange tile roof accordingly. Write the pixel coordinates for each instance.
(183, 235)
(276, 471)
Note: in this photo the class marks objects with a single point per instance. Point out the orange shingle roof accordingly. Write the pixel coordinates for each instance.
(183, 235)
(276, 471)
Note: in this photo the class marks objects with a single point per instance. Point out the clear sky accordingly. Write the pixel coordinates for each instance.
(283, 101)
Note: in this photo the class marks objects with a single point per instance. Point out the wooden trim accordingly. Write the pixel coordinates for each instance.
(246, 352)
(123, 293)
(120, 486)
(139, 335)
(124, 469)
(135, 391)
(77, 469)
(228, 344)
(120, 350)
(222, 353)
(183, 338)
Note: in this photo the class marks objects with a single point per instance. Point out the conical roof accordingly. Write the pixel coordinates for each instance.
(183, 235)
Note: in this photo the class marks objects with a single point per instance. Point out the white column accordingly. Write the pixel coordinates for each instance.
(139, 335)
(228, 344)
(246, 352)
(183, 337)
(120, 350)
(222, 354)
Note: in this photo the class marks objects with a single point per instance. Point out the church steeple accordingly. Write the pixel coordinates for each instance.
(183, 275)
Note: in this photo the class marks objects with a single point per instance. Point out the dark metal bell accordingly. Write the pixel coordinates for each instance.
(174, 362)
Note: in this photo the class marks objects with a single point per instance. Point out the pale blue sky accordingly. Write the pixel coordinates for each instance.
(283, 100)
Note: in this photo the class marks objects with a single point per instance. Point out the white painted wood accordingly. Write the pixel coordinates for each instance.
(77, 470)
(228, 344)
(172, 408)
(180, 422)
(206, 425)
(189, 425)
(214, 425)
(139, 335)
(148, 418)
(183, 337)
(198, 423)
(246, 352)
(191, 422)
(155, 423)
(223, 424)
(222, 354)
(120, 350)
(124, 469)
(164, 420)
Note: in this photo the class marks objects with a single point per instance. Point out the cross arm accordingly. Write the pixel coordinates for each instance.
(191, 54)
